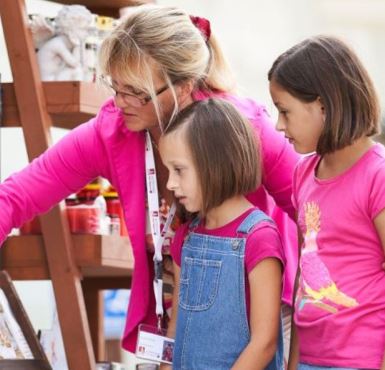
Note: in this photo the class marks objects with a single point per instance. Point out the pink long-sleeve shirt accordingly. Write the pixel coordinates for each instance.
(105, 147)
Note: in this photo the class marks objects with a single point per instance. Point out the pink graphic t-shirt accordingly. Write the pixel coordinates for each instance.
(340, 303)
(262, 242)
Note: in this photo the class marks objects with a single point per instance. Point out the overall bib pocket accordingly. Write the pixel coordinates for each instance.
(199, 282)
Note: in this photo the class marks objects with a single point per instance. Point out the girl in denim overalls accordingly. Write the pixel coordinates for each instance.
(228, 260)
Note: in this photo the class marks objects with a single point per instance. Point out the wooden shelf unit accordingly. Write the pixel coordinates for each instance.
(95, 255)
(69, 103)
(78, 266)
(108, 8)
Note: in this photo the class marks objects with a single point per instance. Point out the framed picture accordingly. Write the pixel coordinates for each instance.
(19, 345)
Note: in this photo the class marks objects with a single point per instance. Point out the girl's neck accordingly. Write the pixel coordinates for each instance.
(228, 211)
(336, 163)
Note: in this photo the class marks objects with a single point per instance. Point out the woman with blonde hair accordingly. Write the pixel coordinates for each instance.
(157, 61)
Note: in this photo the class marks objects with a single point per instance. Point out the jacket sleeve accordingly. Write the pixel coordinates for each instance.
(278, 162)
(63, 169)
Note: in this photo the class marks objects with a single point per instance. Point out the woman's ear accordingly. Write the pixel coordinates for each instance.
(184, 90)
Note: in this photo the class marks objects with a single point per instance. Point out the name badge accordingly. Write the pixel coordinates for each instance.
(154, 345)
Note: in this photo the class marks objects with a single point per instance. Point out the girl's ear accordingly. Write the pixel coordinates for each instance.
(322, 107)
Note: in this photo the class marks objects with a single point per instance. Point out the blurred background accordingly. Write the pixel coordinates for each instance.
(254, 33)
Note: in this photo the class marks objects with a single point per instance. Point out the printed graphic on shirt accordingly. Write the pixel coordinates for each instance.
(316, 286)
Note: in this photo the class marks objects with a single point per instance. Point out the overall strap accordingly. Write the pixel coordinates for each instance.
(253, 219)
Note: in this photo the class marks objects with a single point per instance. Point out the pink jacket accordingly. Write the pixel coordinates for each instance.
(104, 147)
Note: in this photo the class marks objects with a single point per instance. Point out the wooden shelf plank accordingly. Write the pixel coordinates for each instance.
(114, 4)
(102, 7)
(69, 103)
(96, 256)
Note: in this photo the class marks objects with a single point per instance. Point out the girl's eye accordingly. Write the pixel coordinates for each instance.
(283, 112)
(178, 170)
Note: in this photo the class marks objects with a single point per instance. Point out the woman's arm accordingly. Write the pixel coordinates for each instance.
(63, 169)
(265, 307)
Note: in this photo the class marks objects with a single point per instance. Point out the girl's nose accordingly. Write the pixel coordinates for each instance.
(280, 126)
(171, 184)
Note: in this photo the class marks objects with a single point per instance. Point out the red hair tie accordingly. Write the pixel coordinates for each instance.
(203, 25)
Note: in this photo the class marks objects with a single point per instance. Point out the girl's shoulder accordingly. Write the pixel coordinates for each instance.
(372, 168)
(372, 165)
(369, 181)
(263, 241)
(377, 156)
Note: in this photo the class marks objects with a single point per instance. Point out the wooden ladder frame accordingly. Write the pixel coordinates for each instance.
(36, 124)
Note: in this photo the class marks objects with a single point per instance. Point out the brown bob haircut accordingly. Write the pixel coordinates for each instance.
(224, 148)
(326, 68)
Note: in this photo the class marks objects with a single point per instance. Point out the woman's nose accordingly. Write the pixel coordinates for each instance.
(119, 101)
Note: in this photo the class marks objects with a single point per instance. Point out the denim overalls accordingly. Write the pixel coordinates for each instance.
(212, 324)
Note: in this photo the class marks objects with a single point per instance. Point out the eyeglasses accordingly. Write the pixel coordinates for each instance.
(136, 100)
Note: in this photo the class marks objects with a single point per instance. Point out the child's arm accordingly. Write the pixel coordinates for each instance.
(294, 346)
(379, 223)
(265, 307)
(174, 311)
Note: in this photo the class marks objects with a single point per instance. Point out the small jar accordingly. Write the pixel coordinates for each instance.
(84, 219)
(114, 208)
(114, 226)
(89, 193)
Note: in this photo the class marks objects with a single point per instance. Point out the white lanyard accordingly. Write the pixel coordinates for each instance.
(157, 236)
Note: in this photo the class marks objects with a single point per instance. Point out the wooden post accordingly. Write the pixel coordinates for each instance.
(93, 298)
(93, 295)
(36, 124)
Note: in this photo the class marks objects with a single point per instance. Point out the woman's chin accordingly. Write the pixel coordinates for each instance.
(134, 124)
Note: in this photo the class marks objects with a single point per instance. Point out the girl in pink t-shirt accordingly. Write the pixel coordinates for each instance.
(228, 260)
(327, 104)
